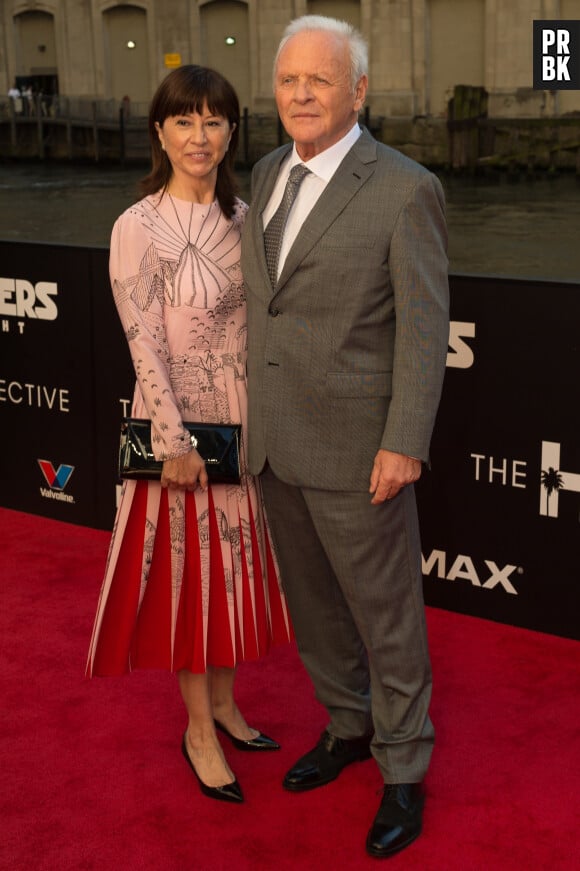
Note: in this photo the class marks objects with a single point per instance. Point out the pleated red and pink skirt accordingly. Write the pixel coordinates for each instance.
(191, 582)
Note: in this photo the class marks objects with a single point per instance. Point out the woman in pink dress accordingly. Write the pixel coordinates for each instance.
(191, 583)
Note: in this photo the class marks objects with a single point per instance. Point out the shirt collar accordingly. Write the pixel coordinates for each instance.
(327, 162)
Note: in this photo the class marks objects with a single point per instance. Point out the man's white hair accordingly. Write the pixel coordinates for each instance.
(359, 56)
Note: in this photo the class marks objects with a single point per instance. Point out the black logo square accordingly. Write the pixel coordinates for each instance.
(557, 55)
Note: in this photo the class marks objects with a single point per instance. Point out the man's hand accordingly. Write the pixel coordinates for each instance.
(186, 472)
(391, 472)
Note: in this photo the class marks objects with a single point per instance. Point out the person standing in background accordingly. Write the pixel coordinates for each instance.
(15, 97)
(344, 258)
(28, 100)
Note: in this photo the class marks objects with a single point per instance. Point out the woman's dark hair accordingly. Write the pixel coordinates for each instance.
(189, 89)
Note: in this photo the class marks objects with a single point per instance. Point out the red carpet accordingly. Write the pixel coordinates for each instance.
(93, 778)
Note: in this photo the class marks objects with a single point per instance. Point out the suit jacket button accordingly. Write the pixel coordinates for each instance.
(273, 312)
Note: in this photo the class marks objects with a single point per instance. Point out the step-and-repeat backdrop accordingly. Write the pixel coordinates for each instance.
(500, 507)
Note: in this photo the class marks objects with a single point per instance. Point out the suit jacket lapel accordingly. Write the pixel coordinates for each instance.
(350, 176)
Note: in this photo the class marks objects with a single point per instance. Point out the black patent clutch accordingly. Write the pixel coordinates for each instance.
(217, 443)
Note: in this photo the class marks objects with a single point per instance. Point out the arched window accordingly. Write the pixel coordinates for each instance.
(126, 53)
(225, 43)
(37, 67)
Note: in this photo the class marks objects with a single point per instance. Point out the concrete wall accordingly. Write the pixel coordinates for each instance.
(419, 49)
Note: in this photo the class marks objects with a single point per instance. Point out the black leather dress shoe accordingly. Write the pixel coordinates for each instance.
(260, 742)
(227, 792)
(325, 761)
(398, 821)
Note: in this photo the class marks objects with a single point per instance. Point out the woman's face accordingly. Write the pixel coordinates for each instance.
(195, 144)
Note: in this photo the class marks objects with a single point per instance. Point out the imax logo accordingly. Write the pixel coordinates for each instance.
(554, 480)
(463, 568)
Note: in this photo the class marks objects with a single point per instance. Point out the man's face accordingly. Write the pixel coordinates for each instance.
(313, 89)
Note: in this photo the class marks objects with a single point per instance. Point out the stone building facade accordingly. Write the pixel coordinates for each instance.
(419, 49)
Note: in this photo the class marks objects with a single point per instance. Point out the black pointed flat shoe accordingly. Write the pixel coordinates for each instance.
(228, 792)
(260, 742)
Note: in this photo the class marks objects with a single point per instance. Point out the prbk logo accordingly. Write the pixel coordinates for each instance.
(557, 55)
(554, 480)
(460, 355)
(21, 299)
(57, 479)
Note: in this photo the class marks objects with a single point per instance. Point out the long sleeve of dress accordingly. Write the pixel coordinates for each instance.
(139, 283)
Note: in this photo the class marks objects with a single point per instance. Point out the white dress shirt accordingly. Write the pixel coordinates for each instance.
(322, 168)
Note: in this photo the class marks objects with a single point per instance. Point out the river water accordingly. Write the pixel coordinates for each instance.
(523, 229)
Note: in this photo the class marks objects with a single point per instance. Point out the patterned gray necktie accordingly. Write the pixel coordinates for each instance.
(275, 230)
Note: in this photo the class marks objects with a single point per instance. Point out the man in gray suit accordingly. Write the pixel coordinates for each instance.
(347, 343)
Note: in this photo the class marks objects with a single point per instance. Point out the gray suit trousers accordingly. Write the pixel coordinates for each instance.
(352, 576)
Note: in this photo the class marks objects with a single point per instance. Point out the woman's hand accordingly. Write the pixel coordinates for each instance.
(184, 472)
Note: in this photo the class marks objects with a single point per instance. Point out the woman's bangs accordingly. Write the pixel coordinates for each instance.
(191, 100)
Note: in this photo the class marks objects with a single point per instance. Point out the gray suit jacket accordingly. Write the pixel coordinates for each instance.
(347, 355)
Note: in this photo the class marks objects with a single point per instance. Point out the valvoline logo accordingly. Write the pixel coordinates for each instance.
(57, 479)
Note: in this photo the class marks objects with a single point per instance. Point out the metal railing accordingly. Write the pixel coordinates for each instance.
(71, 108)
(84, 128)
